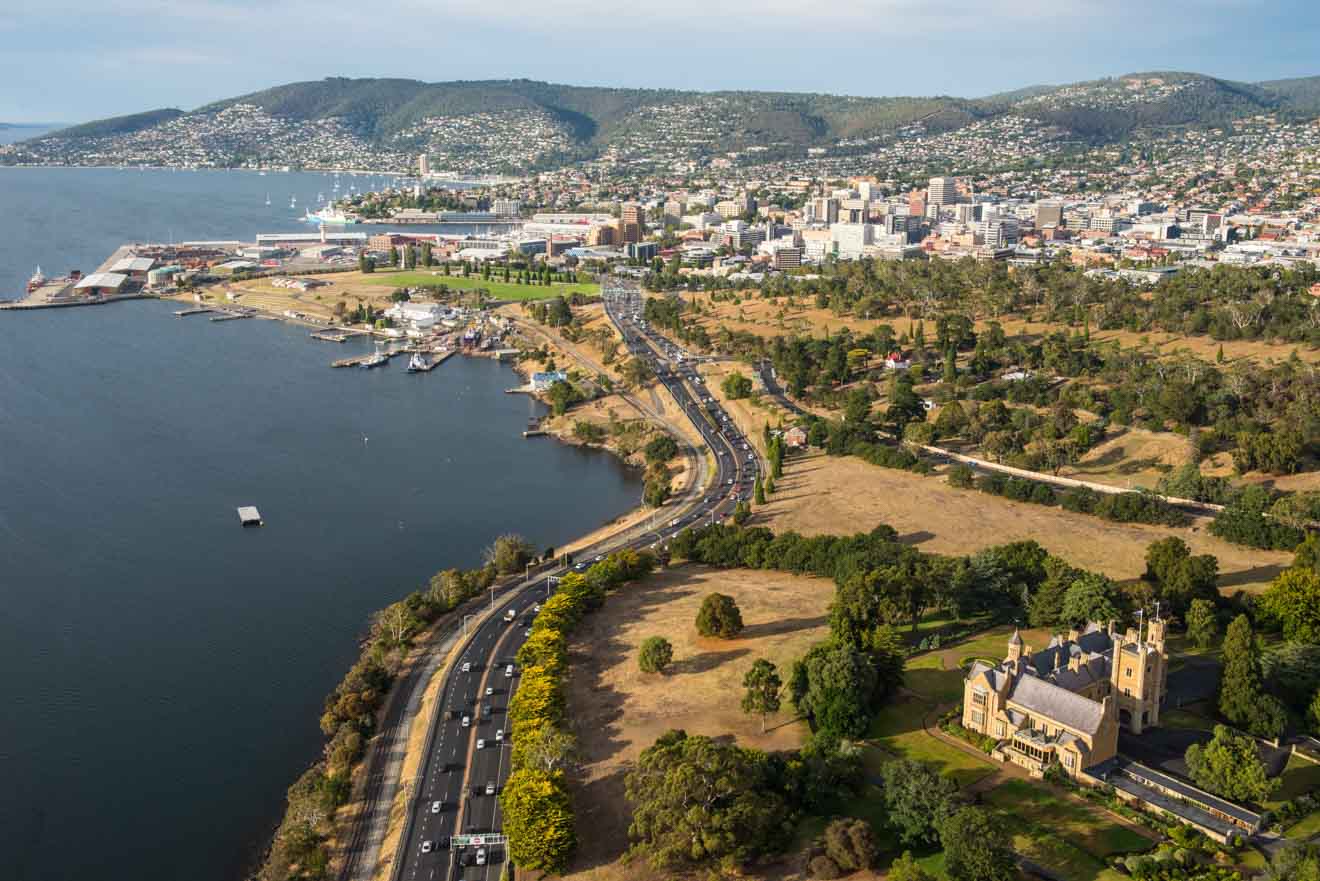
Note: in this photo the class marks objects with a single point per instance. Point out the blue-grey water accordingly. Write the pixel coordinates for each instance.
(165, 668)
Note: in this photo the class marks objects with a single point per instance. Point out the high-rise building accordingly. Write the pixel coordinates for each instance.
(634, 213)
(943, 191)
(1049, 213)
(423, 165)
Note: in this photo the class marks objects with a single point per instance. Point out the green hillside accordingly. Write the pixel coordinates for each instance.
(119, 125)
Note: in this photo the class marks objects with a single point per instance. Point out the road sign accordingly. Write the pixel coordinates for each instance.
(487, 840)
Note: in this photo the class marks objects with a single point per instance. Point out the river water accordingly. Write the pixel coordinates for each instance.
(164, 668)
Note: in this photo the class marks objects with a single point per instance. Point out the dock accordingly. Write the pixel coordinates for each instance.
(195, 310)
(248, 515)
(226, 315)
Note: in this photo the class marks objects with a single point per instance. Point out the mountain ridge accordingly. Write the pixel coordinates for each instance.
(391, 118)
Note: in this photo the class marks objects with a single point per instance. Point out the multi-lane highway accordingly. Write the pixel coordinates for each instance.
(453, 829)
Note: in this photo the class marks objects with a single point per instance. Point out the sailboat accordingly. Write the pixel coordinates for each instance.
(268, 199)
(293, 201)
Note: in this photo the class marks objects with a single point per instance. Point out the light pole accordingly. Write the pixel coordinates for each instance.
(466, 618)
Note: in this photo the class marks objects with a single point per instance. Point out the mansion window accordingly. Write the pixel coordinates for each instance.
(979, 698)
(1000, 730)
(1069, 761)
(978, 718)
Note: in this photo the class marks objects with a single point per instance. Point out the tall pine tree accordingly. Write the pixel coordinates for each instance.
(1242, 696)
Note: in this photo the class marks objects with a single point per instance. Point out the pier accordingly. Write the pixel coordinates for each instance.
(195, 310)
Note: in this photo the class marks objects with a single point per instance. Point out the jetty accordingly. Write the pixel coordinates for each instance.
(248, 515)
(195, 310)
(226, 315)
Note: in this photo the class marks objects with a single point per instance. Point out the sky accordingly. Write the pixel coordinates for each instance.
(77, 60)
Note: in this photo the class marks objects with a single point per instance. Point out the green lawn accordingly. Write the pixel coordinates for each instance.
(898, 731)
(927, 676)
(1184, 719)
(498, 289)
(1080, 822)
(1298, 777)
(1061, 832)
(1305, 827)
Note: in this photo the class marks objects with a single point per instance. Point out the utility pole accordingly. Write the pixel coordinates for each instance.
(466, 618)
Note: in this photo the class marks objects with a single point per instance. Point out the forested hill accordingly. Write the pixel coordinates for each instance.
(387, 120)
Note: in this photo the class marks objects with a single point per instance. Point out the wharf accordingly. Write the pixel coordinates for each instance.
(195, 310)
(230, 316)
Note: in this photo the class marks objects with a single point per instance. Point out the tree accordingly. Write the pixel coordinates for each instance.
(719, 616)
(655, 654)
(1202, 623)
(660, 448)
(758, 491)
(509, 553)
(851, 844)
(1293, 599)
(538, 819)
(976, 847)
(1299, 861)
(918, 799)
(1242, 696)
(562, 395)
(1307, 554)
(834, 686)
(1229, 765)
(544, 747)
(906, 868)
(762, 684)
(697, 800)
(1177, 576)
(1092, 597)
(736, 386)
(397, 622)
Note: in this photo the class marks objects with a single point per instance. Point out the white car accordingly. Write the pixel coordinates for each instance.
(490, 788)
(481, 743)
(467, 721)
(489, 691)
(508, 672)
(481, 856)
(426, 846)
(467, 666)
(435, 807)
(499, 735)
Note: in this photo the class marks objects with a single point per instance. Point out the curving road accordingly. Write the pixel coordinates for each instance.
(456, 792)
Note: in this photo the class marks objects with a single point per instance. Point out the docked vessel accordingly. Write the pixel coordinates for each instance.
(376, 360)
(418, 363)
(329, 214)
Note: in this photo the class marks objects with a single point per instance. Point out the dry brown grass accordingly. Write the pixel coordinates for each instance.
(1133, 458)
(618, 711)
(771, 318)
(841, 495)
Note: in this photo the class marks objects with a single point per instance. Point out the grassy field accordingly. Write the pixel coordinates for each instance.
(498, 289)
(898, 731)
(822, 494)
(618, 711)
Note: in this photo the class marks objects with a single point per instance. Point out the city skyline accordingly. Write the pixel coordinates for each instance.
(70, 62)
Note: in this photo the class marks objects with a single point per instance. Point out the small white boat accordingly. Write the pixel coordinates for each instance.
(418, 363)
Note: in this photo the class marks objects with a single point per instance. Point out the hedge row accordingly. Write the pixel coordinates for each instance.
(1126, 507)
(538, 812)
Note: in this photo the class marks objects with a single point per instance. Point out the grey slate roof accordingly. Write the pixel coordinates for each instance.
(1048, 700)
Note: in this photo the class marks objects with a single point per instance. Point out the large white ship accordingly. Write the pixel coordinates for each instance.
(329, 214)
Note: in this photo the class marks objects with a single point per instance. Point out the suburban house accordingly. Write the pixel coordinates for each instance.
(795, 437)
(543, 381)
(897, 361)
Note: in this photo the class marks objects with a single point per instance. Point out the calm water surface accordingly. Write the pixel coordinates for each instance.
(165, 668)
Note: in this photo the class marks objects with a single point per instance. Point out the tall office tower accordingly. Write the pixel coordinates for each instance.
(423, 165)
(1049, 213)
(943, 191)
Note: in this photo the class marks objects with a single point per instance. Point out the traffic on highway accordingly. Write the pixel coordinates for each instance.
(453, 829)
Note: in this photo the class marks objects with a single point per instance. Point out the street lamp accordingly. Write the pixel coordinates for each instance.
(466, 618)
